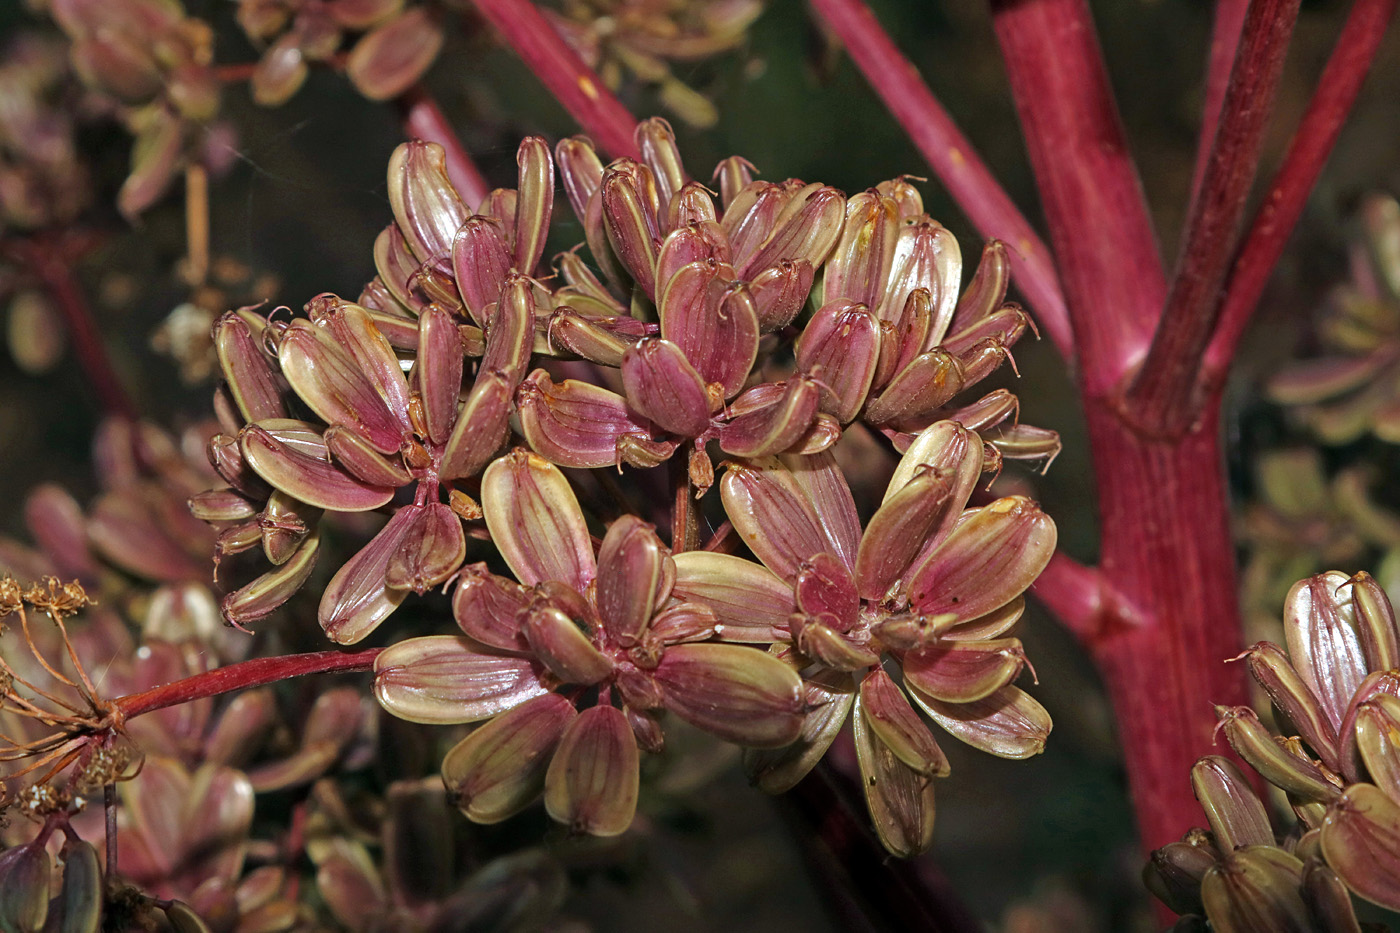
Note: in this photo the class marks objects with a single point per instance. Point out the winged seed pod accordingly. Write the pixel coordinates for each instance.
(608, 622)
(929, 584)
(685, 297)
(379, 431)
(438, 252)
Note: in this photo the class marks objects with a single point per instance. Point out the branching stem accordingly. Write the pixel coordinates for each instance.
(1308, 151)
(1163, 398)
(1099, 224)
(1224, 42)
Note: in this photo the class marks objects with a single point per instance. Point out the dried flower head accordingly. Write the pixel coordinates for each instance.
(578, 629)
(379, 430)
(397, 42)
(53, 719)
(1338, 687)
(929, 584)
(699, 311)
(641, 39)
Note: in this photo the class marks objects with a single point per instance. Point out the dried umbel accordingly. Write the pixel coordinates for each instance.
(1351, 390)
(42, 181)
(60, 736)
(929, 586)
(1338, 688)
(154, 62)
(396, 44)
(689, 293)
(591, 627)
(641, 39)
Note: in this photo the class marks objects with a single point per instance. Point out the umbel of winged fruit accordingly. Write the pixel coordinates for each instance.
(1337, 685)
(697, 300)
(376, 430)
(544, 659)
(929, 584)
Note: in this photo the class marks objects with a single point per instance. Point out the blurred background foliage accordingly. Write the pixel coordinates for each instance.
(1044, 844)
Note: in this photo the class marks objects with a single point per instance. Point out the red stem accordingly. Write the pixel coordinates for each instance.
(1163, 396)
(1167, 547)
(953, 159)
(1099, 225)
(1165, 533)
(1307, 153)
(424, 119)
(235, 72)
(51, 260)
(1074, 593)
(571, 82)
(1224, 42)
(863, 886)
(255, 673)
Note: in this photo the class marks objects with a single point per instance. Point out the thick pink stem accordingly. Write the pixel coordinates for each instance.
(953, 159)
(1164, 524)
(1082, 598)
(255, 673)
(572, 82)
(1163, 397)
(1307, 153)
(1167, 548)
(424, 119)
(1099, 225)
